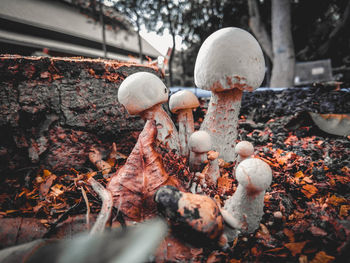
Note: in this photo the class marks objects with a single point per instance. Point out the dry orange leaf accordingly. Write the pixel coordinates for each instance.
(336, 201)
(309, 190)
(299, 174)
(344, 210)
(290, 234)
(295, 248)
(225, 184)
(322, 257)
(136, 182)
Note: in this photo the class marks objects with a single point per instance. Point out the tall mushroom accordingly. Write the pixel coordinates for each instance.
(229, 61)
(182, 103)
(246, 205)
(143, 93)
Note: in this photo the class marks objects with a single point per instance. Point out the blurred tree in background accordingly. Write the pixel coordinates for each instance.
(315, 30)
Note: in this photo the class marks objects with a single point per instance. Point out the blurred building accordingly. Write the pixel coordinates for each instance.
(65, 28)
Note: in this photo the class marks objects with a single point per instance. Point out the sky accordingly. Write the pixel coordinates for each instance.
(161, 42)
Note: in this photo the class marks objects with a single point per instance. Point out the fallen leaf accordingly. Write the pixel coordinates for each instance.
(316, 231)
(322, 257)
(336, 201)
(309, 190)
(45, 187)
(295, 248)
(344, 210)
(290, 234)
(225, 184)
(57, 190)
(136, 182)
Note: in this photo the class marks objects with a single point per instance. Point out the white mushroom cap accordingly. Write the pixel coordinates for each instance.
(254, 172)
(229, 58)
(244, 149)
(200, 142)
(183, 99)
(141, 91)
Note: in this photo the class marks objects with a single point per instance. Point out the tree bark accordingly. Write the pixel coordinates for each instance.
(283, 47)
(258, 28)
(53, 110)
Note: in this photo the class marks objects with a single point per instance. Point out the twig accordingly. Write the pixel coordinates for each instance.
(106, 209)
(87, 207)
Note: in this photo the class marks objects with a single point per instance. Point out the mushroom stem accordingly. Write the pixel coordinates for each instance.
(221, 121)
(167, 132)
(186, 128)
(248, 212)
(214, 170)
(196, 160)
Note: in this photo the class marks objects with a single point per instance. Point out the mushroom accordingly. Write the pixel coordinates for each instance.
(229, 61)
(143, 93)
(199, 145)
(244, 150)
(182, 103)
(212, 170)
(247, 203)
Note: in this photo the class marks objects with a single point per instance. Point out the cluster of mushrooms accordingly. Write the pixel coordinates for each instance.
(229, 62)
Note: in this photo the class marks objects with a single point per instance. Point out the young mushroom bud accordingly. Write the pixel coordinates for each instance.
(182, 103)
(199, 145)
(244, 150)
(143, 94)
(213, 171)
(246, 205)
(229, 61)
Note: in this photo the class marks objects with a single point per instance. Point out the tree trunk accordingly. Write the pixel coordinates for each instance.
(258, 28)
(139, 40)
(171, 58)
(283, 48)
(104, 46)
(53, 110)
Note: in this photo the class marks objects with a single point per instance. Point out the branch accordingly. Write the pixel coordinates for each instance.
(107, 205)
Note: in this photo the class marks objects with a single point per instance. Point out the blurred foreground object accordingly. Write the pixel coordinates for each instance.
(135, 245)
(337, 124)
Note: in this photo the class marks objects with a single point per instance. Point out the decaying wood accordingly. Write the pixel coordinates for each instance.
(54, 109)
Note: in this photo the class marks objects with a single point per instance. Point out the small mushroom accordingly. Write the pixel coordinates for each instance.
(199, 145)
(143, 93)
(182, 103)
(244, 150)
(212, 170)
(229, 61)
(196, 218)
(247, 203)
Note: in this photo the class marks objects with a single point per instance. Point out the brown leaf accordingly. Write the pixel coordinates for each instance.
(295, 248)
(143, 173)
(317, 231)
(45, 187)
(322, 257)
(290, 234)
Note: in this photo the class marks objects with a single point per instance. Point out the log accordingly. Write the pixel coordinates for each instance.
(54, 109)
(19, 230)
